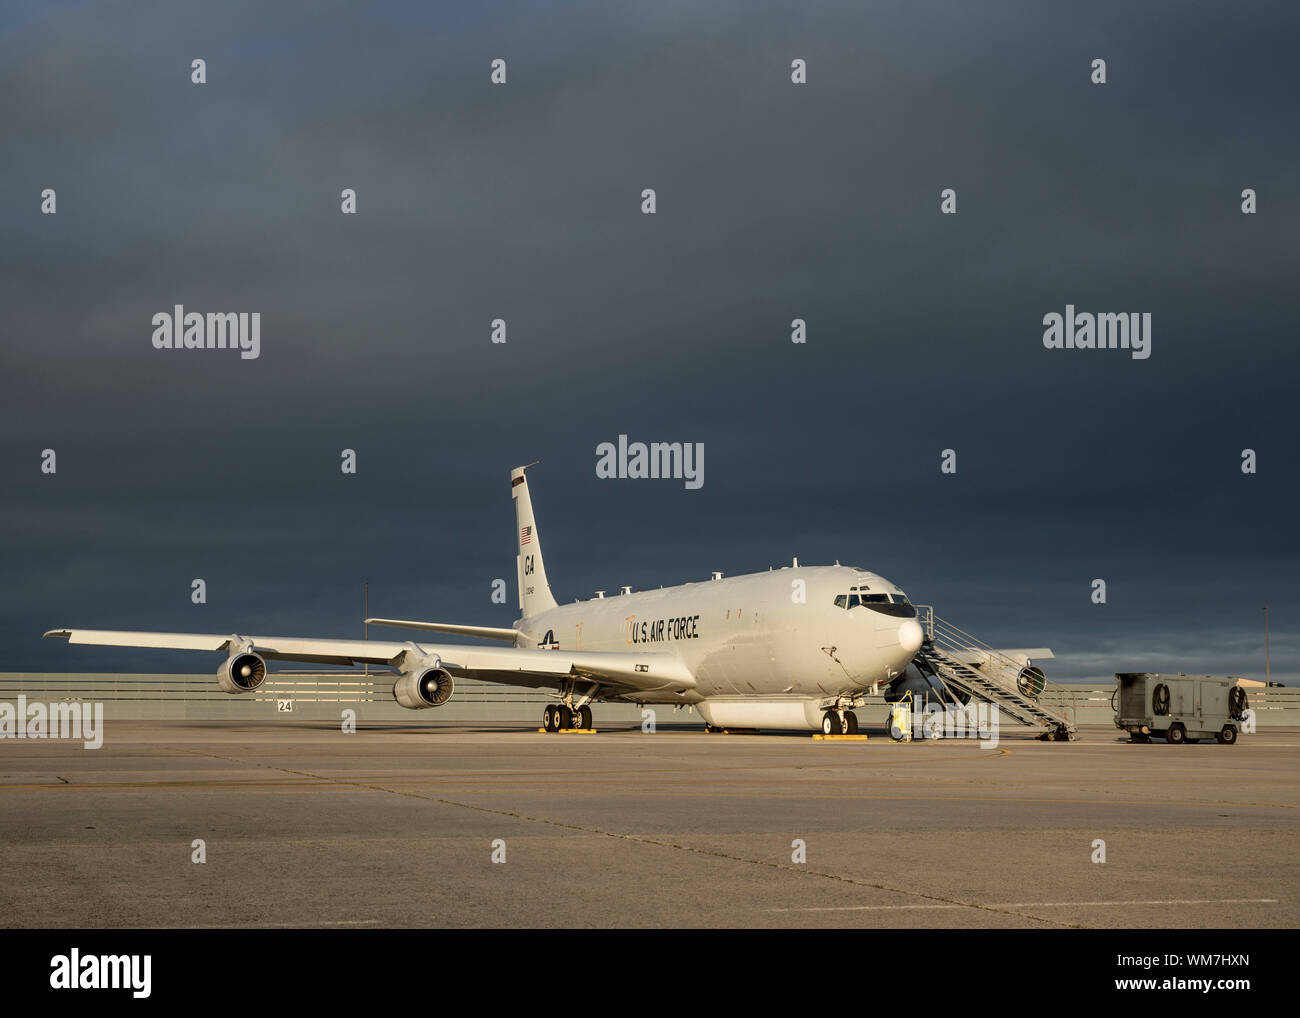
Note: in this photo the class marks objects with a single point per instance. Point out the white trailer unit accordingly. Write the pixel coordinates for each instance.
(1181, 708)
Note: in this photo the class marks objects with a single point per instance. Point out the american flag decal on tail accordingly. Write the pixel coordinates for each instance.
(525, 535)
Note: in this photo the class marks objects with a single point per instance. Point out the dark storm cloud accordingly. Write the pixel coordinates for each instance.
(775, 202)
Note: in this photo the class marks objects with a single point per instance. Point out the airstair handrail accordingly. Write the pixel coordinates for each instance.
(951, 642)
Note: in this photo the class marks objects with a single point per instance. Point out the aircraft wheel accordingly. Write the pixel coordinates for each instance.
(563, 716)
(584, 717)
(548, 718)
(830, 723)
(1176, 735)
(1228, 736)
(852, 720)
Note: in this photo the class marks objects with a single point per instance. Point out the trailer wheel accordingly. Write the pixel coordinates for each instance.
(1228, 736)
(1176, 735)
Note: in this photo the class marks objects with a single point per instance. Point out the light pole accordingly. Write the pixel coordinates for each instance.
(1267, 665)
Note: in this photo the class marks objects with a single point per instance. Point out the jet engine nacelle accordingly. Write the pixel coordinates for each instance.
(429, 687)
(1007, 667)
(1031, 681)
(241, 673)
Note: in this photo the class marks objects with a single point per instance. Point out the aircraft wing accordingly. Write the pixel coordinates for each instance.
(1026, 654)
(482, 632)
(1020, 655)
(625, 670)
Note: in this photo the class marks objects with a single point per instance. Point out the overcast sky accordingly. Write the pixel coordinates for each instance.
(775, 201)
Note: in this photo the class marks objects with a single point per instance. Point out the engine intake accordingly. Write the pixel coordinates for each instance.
(431, 687)
(241, 673)
(1031, 681)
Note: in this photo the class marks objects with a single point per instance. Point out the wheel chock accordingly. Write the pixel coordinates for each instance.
(840, 738)
(571, 731)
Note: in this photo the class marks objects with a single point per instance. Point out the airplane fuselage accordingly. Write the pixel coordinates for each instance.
(778, 636)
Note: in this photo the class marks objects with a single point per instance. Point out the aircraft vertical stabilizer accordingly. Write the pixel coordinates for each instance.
(534, 591)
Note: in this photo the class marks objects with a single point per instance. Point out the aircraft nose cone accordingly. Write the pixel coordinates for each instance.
(909, 636)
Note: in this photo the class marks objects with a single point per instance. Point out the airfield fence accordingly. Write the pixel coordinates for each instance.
(323, 696)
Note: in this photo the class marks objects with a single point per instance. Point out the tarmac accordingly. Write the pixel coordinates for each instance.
(398, 825)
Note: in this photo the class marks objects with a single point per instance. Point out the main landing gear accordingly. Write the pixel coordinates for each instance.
(561, 717)
(839, 722)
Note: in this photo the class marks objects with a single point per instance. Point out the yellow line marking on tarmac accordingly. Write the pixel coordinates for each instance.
(795, 793)
(601, 781)
(689, 770)
(1036, 904)
(287, 926)
(599, 786)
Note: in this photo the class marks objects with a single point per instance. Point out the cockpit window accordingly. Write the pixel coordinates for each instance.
(855, 600)
(895, 604)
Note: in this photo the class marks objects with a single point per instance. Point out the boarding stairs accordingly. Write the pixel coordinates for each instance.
(967, 667)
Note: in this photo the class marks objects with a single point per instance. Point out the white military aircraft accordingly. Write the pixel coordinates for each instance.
(796, 647)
